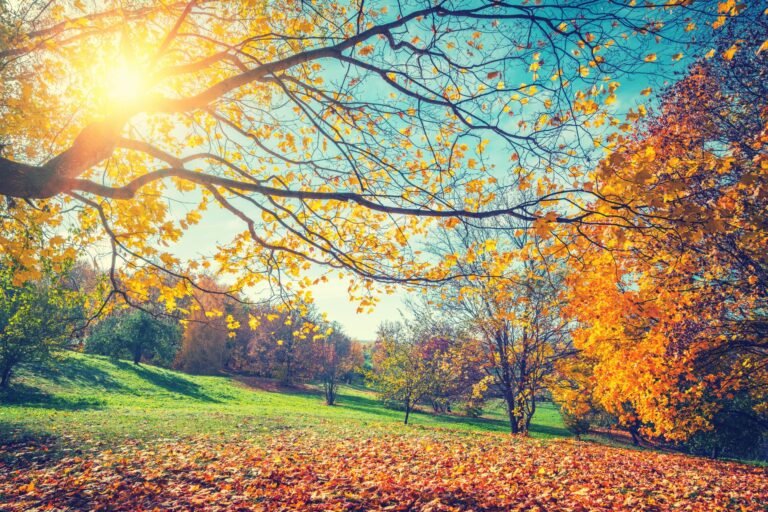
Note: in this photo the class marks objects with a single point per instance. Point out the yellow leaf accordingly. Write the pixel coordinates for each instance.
(730, 52)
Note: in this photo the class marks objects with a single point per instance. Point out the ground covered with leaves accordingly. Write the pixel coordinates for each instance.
(345, 470)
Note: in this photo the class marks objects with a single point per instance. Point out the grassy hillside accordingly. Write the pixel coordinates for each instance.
(83, 397)
(91, 433)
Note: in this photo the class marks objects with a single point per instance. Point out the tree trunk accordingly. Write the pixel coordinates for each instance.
(514, 425)
(5, 378)
(509, 398)
(330, 393)
(407, 410)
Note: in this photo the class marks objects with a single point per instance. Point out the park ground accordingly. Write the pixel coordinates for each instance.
(90, 433)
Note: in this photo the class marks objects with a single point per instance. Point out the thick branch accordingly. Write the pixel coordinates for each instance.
(129, 191)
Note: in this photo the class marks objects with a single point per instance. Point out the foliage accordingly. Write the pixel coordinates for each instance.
(413, 363)
(137, 335)
(576, 424)
(208, 330)
(672, 305)
(348, 469)
(735, 433)
(280, 343)
(399, 372)
(35, 318)
(510, 300)
(332, 133)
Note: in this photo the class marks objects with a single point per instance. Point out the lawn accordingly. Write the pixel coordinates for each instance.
(87, 398)
(92, 433)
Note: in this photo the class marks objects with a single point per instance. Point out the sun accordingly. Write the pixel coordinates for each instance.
(125, 83)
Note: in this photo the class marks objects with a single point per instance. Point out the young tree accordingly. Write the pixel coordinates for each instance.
(338, 355)
(138, 335)
(406, 366)
(35, 318)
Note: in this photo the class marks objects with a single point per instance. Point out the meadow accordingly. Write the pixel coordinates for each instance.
(94, 433)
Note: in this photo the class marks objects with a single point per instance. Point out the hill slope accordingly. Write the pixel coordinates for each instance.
(92, 397)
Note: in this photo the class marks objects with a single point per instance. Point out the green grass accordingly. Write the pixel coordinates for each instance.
(84, 400)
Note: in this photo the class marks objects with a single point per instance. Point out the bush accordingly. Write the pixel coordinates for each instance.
(35, 319)
(473, 408)
(737, 432)
(577, 424)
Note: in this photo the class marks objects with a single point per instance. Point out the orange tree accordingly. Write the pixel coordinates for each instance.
(330, 132)
(672, 308)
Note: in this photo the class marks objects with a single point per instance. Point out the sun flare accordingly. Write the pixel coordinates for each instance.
(125, 83)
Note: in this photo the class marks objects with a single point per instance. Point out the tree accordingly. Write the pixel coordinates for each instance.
(138, 335)
(672, 312)
(282, 343)
(399, 372)
(458, 361)
(332, 131)
(35, 319)
(338, 355)
(510, 300)
(209, 327)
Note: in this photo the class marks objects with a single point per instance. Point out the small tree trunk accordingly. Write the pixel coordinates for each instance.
(330, 393)
(514, 426)
(5, 378)
(136, 357)
(407, 411)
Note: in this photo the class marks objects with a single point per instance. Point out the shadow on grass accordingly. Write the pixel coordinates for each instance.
(28, 396)
(375, 407)
(79, 373)
(20, 446)
(368, 406)
(167, 381)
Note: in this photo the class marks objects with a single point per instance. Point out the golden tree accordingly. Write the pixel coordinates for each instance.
(332, 132)
(672, 312)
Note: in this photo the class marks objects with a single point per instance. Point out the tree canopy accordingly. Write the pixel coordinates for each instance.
(333, 133)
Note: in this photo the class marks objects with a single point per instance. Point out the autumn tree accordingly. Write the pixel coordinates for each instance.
(459, 359)
(672, 311)
(510, 299)
(280, 342)
(338, 355)
(210, 324)
(406, 366)
(331, 131)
